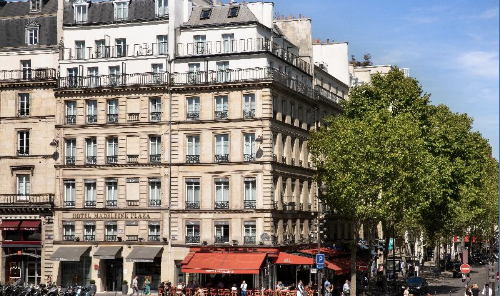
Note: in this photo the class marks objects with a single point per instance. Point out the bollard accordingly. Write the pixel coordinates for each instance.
(450, 293)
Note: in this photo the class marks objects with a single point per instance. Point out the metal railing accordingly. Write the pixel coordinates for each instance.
(103, 81)
(241, 46)
(23, 113)
(192, 158)
(39, 74)
(250, 204)
(68, 237)
(155, 202)
(23, 151)
(26, 199)
(111, 203)
(106, 52)
(91, 119)
(222, 205)
(132, 158)
(70, 160)
(112, 118)
(192, 205)
(248, 157)
(71, 119)
(248, 113)
(221, 239)
(155, 158)
(111, 238)
(154, 237)
(220, 115)
(132, 238)
(132, 116)
(90, 203)
(319, 91)
(112, 159)
(91, 160)
(249, 240)
(193, 115)
(132, 203)
(69, 203)
(221, 157)
(155, 116)
(192, 239)
(89, 238)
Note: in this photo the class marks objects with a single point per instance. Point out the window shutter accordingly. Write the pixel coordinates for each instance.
(133, 145)
(133, 105)
(133, 189)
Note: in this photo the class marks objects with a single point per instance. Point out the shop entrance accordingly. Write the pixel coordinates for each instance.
(114, 274)
(22, 265)
(33, 271)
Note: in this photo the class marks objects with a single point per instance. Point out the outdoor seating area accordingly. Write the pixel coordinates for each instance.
(173, 291)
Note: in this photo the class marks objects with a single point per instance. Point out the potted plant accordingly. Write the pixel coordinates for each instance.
(92, 287)
(124, 287)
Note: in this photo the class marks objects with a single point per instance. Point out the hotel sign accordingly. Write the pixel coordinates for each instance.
(117, 216)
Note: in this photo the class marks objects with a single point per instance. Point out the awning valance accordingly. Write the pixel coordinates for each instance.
(224, 263)
(69, 253)
(30, 225)
(291, 259)
(10, 224)
(144, 254)
(107, 252)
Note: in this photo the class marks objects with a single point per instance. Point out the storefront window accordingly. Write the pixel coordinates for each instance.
(152, 269)
(76, 272)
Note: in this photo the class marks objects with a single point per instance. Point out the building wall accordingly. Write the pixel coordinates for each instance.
(335, 55)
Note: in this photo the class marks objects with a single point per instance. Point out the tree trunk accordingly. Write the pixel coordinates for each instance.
(355, 238)
(386, 253)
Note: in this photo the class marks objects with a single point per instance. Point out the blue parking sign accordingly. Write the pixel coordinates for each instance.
(320, 261)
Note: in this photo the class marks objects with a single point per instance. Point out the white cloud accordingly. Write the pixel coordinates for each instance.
(479, 63)
(490, 13)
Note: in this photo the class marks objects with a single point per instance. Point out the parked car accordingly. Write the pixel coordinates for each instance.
(456, 270)
(418, 285)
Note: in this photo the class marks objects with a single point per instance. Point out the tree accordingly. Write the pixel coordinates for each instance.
(366, 61)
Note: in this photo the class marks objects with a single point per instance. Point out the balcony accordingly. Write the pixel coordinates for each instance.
(192, 159)
(40, 74)
(249, 240)
(193, 116)
(132, 158)
(155, 158)
(241, 46)
(248, 157)
(69, 203)
(30, 203)
(322, 93)
(192, 205)
(131, 117)
(89, 238)
(112, 118)
(249, 204)
(70, 160)
(221, 239)
(107, 81)
(91, 160)
(221, 157)
(154, 237)
(111, 203)
(71, 119)
(113, 159)
(132, 238)
(90, 203)
(220, 115)
(111, 238)
(23, 113)
(155, 202)
(23, 152)
(107, 52)
(132, 203)
(68, 237)
(91, 119)
(249, 114)
(155, 116)
(192, 239)
(221, 205)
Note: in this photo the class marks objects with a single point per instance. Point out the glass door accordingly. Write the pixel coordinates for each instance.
(33, 272)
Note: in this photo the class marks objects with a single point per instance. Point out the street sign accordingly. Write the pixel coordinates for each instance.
(320, 261)
(465, 268)
(314, 270)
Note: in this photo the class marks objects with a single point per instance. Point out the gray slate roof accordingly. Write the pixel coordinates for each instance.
(202, 2)
(219, 16)
(102, 12)
(16, 9)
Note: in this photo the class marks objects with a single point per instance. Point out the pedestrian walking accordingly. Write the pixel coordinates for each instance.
(475, 290)
(406, 292)
(487, 291)
(327, 287)
(300, 288)
(243, 288)
(146, 289)
(135, 286)
(346, 289)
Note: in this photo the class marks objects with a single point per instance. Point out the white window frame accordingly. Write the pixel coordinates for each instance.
(154, 190)
(23, 184)
(32, 35)
(111, 190)
(26, 69)
(70, 148)
(112, 107)
(90, 190)
(193, 105)
(93, 73)
(112, 146)
(249, 146)
(193, 190)
(228, 43)
(222, 144)
(89, 230)
(80, 49)
(191, 230)
(155, 145)
(120, 10)
(91, 106)
(250, 189)
(222, 190)
(193, 145)
(69, 191)
(162, 41)
(35, 5)
(249, 102)
(23, 142)
(69, 230)
(161, 8)
(90, 147)
(81, 11)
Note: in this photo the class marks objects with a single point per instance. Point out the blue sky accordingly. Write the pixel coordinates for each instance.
(451, 47)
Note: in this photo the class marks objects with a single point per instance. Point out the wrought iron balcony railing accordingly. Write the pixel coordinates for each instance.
(193, 115)
(220, 114)
(89, 237)
(111, 203)
(111, 237)
(155, 116)
(192, 158)
(69, 203)
(221, 157)
(68, 237)
(154, 237)
(192, 239)
(221, 239)
(222, 204)
(132, 203)
(323, 93)
(155, 202)
(248, 157)
(192, 205)
(249, 204)
(132, 117)
(23, 113)
(40, 74)
(248, 113)
(105, 81)
(132, 238)
(112, 159)
(240, 46)
(91, 160)
(90, 203)
(132, 158)
(91, 119)
(26, 200)
(71, 119)
(155, 158)
(112, 118)
(249, 240)
(106, 52)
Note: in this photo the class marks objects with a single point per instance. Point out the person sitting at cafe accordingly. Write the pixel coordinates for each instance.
(280, 286)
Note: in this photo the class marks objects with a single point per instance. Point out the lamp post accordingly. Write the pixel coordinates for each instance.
(323, 189)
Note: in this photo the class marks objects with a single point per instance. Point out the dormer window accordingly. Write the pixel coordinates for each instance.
(161, 8)
(31, 33)
(81, 11)
(121, 10)
(35, 5)
(205, 13)
(233, 11)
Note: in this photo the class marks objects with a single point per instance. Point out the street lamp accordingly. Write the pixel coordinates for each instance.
(323, 188)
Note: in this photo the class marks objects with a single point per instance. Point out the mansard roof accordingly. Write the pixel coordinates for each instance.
(102, 12)
(219, 16)
(10, 9)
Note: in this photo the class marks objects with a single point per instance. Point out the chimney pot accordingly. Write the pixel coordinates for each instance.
(327, 40)
(220, 3)
(244, 2)
(300, 16)
(290, 16)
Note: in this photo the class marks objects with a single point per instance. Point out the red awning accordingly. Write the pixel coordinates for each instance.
(326, 251)
(345, 264)
(30, 225)
(236, 263)
(10, 224)
(333, 266)
(188, 258)
(285, 258)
